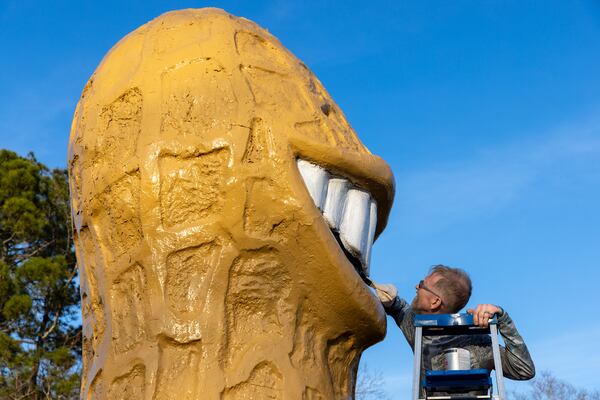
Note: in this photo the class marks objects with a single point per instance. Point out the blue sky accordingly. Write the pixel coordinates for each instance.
(487, 112)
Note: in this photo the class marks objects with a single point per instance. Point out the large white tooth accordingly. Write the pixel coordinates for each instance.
(371, 236)
(315, 179)
(354, 226)
(334, 202)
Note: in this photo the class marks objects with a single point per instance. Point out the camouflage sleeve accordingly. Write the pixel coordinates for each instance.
(404, 316)
(516, 361)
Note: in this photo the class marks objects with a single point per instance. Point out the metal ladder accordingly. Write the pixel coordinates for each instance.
(455, 381)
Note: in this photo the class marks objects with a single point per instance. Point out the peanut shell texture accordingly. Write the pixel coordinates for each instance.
(225, 213)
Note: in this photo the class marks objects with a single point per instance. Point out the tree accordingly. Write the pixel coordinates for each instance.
(547, 387)
(369, 384)
(40, 334)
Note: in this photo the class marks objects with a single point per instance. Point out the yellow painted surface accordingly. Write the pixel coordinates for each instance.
(206, 270)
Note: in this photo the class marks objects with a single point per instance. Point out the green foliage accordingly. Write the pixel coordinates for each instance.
(40, 334)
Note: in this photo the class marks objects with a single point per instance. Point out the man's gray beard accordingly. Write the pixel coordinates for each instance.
(414, 306)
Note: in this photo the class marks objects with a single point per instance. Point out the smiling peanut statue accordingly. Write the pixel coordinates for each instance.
(225, 213)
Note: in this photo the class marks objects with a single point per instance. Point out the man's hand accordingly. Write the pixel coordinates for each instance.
(386, 293)
(483, 313)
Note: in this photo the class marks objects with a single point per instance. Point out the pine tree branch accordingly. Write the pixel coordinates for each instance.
(6, 241)
(22, 257)
(59, 311)
(54, 324)
(25, 341)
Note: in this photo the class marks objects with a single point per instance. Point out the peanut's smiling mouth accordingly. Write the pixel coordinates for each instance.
(350, 212)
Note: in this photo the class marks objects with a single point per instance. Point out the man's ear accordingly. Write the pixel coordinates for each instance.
(436, 305)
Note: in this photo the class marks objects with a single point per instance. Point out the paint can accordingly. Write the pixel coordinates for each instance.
(456, 358)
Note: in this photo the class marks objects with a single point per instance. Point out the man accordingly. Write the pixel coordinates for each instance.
(446, 291)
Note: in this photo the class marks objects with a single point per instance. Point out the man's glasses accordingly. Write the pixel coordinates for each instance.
(424, 287)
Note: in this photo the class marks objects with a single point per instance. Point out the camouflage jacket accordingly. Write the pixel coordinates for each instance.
(516, 361)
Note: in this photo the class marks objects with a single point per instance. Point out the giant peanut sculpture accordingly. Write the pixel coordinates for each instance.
(225, 213)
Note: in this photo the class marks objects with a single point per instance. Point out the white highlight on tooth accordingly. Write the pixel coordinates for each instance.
(334, 202)
(371, 236)
(354, 226)
(316, 180)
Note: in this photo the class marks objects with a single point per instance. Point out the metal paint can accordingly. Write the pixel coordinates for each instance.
(456, 358)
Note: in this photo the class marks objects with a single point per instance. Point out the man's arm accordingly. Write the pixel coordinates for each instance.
(404, 316)
(398, 309)
(516, 360)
